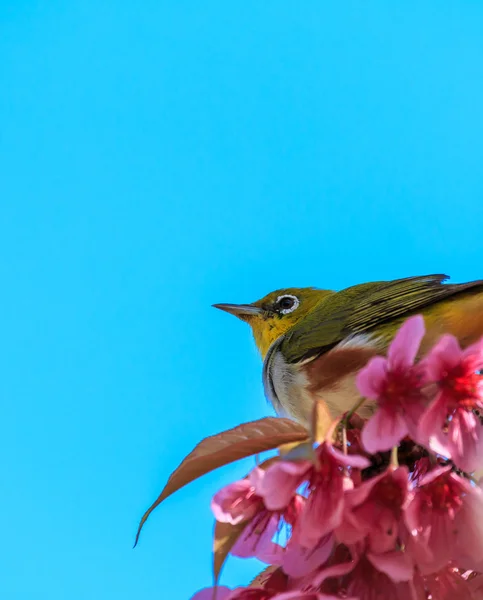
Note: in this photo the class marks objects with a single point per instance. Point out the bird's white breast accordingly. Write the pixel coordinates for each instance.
(286, 384)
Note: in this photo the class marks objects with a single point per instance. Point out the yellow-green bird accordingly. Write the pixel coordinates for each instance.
(314, 341)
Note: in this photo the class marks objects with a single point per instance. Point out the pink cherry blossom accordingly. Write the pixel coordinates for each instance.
(453, 584)
(298, 561)
(374, 510)
(327, 480)
(222, 593)
(306, 595)
(475, 584)
(352, 574)
(255, 593)
(452, 424)
(445, 516)
(256, 538)
(281, 481)
(368, 583)
(237, 502)
(374, 514)
(241, 502)
(293, 558)
(395, 384)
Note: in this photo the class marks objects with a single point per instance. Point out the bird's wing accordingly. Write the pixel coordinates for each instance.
(360, 308)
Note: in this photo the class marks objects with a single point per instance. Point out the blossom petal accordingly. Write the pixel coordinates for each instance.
(270, 553)
(430, 430)
(257, 536)
(337, 570)
(384, 430)
(405, 345)
(299, 561)
(348, 460)
(281, 481)
(232, 503)
(369, 380)
(308, 595)
(444, 355)
(222, 593)
(476, 352)
(329, 503)
(397, 565)
(465, 435)
(469, 522)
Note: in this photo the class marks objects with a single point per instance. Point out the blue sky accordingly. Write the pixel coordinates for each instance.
(157, 157)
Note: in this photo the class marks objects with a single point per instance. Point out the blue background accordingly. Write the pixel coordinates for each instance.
(157, 157)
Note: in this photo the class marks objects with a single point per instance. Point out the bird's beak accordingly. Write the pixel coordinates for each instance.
(242, 311)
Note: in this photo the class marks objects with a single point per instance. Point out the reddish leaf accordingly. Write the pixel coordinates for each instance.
(224, 539)
(272, 578)
(227, 447)
(299, 451)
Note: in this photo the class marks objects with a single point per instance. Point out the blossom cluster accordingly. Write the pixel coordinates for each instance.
(387, 507)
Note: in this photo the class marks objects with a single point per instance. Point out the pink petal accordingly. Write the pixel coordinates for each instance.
(348, 460)
(384, 430)
(271, 553)
(430, 430)
(475, 351)
(350, 531)
(385, 528)
(338, 570)
(396, 565)
(281, 481)
(449, 584)
(367, 515)
(465, 441)
(445, 355)
(299, 561)
(413, 410)
(256, 538)
(434, 532)
(301, 595)
(330, 504)
(405, 345)
(256, 478)
(476, 587)
(250, 593)
(231, 505)
(469, 522)
(369, 380)
(222, 593)
(361, 492)
(433, 474)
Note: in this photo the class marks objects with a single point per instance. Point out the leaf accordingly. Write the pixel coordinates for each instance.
(297, 451)
(225, 537)
(227, 447)
(271, 578)
(321, 421)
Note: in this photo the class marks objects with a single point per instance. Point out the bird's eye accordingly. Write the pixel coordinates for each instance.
(287, 304)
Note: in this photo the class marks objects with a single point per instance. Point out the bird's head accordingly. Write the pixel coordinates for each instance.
(276, 313)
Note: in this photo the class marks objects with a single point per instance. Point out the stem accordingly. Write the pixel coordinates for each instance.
(344, 439)
(354, 409)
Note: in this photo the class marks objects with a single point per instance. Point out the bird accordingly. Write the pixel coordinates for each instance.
(314, 341)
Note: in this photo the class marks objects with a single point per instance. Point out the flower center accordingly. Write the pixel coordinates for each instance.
(463, 384)
(400, 387)
(325, 471)
(290, 514)
(388, 493)
(443, 494)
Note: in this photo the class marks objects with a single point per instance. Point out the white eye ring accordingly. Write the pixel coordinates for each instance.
(286, 311)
